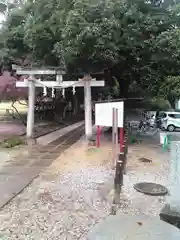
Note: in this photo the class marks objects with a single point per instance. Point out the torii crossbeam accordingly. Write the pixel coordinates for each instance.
(87, 82)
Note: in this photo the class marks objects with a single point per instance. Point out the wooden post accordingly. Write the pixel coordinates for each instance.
(125, 158)
(31, 105)
(98, 136)
(121, 167)
(118, 180)
(88, 109)
(114, 136)
(116, 132)
(125, 150)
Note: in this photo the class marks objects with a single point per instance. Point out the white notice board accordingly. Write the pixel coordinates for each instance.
(104, 112)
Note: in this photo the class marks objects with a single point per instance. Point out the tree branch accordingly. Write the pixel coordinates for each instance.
(12, 105)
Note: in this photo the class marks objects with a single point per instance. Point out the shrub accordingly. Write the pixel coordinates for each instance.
(11, 142)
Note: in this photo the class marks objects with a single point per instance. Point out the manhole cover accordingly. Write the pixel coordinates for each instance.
(152, 189)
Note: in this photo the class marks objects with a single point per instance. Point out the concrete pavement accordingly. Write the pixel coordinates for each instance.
(15, 176)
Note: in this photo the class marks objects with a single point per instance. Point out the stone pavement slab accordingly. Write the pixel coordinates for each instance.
(133, 228)
(45, 140)
(14, 178)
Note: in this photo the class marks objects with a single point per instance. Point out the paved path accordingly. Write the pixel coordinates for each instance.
(9, 129)
(45, 140)
(133, 228)
(20, 173)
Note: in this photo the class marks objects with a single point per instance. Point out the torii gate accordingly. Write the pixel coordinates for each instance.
(87, 82)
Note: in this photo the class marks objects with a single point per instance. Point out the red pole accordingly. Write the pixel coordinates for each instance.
(121, 140)
(98, 137)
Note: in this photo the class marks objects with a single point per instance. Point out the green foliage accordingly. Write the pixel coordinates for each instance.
(12, 142)
(170, 88)
(160, 104)
(157, 104)
(3, 7)
(136, 40)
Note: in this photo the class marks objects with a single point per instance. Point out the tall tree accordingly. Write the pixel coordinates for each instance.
(124, 37)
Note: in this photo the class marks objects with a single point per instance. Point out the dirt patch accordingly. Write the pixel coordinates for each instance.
(143, 152)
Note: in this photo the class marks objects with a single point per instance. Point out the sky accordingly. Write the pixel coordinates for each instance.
(1, 18)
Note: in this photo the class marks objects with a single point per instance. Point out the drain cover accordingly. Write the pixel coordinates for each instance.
(152, 189)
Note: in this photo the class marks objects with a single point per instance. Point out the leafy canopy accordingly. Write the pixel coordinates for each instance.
(136, 41)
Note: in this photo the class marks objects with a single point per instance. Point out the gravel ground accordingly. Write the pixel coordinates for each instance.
(157, 172)
(76, 192)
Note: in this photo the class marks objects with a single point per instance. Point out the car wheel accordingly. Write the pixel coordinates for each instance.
(171, 128)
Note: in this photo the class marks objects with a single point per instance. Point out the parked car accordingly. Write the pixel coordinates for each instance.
(169, 120)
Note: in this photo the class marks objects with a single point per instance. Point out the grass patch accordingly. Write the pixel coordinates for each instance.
(11, 142)
(92, 150)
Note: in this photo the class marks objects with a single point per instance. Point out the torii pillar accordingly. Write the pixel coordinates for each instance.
(31, 83)
(87, 82)
(31, 104)
(88, 107)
